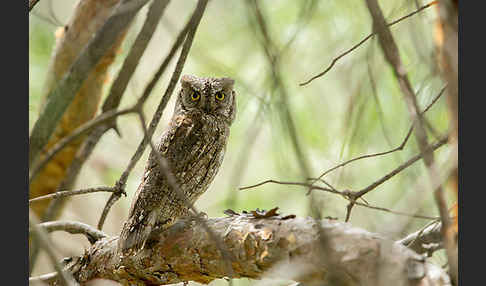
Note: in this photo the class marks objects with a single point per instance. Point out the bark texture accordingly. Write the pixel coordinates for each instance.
(300, 249)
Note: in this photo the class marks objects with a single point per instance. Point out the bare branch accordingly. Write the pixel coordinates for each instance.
(395, 212)
(353, 196)
(399, 148)
(73, 227)
(346, 194)
(63, 194)
(363, 41)
(289, 183)
(402, 167)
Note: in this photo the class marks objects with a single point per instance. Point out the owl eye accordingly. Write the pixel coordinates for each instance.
(220, 95)
(195, 96)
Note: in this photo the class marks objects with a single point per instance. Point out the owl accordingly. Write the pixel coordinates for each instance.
(193, 145)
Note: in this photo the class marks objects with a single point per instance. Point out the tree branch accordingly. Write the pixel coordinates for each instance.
(264, 247)
(73, 227)
(399, 148)
(363, 41)
(63, 194)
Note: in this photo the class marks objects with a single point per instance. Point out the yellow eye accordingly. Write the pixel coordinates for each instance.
(195, 96)
(220, 95)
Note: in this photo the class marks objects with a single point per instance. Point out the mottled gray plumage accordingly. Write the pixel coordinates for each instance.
(194, 145)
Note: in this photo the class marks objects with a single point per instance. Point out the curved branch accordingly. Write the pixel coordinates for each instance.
(73, 227)
(363, 41)
(275, 246)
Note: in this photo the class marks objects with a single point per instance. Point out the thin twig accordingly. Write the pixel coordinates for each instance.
(191, 31)
(402, 167)
(353, 196)
(44, 241)
(363, 41)
(73, 227)
(345, 194)
(396, 212)
(75, 167)
(289, 183)
(399, 148)
(63, 194)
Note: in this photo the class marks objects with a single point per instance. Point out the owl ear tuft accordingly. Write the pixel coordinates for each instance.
(186, 81)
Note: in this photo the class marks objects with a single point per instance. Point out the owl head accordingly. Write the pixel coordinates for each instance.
(213, 96)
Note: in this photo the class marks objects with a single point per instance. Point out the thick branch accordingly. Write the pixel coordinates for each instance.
(263, 247)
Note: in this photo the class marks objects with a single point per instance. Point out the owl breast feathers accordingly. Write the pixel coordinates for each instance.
(193, 145)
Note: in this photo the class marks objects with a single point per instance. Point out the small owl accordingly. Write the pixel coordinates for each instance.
(193, 145)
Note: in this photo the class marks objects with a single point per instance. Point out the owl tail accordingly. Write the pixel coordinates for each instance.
(135, 233)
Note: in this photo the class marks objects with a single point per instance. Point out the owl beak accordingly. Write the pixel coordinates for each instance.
(207, 109)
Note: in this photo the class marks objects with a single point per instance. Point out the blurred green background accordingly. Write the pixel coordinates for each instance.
(338, 116)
